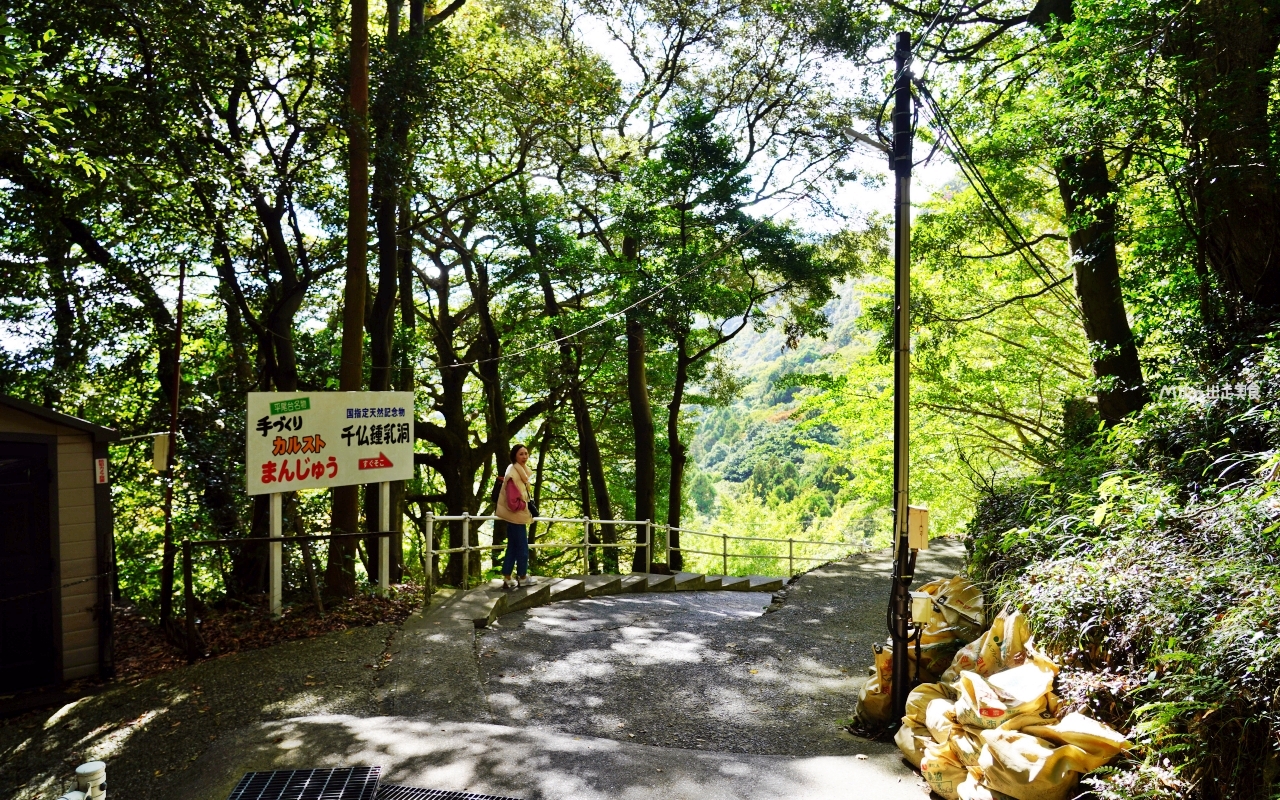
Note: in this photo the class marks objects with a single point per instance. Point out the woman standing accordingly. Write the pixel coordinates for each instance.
(513, 506)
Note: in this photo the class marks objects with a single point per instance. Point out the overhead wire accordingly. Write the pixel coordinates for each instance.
(991, 201)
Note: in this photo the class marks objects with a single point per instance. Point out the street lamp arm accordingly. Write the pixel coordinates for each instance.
(865, 139)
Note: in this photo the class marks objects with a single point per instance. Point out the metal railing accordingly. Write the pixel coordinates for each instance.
(725, 555)
(275, 547)
(588, 523)
(646, 542)
(586, 544)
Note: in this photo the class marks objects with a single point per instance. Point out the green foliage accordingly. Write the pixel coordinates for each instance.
(1143, 558)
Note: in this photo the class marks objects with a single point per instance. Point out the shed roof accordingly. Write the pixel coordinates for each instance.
(99, 433)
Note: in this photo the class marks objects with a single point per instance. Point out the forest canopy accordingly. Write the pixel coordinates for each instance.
(633, 234)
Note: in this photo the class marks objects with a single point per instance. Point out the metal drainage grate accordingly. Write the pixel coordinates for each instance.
(390, 792)
(347, 783)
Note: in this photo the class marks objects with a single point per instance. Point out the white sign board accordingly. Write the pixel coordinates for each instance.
(313, 440)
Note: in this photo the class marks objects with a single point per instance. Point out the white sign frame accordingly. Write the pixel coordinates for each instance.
(317, 440)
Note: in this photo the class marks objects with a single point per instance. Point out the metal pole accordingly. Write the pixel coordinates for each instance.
(586, 547)
(189, 600)
(900, 607)
(724, 553)
(431, 554)
(466, 547)
(648, 546)
(791, 557)
(275, 550)
(384, 542)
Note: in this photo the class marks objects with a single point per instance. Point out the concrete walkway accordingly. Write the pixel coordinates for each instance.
(697, 695)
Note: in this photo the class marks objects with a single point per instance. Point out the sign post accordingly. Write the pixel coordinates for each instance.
(384, 542)
(317, 440)
(276, 555)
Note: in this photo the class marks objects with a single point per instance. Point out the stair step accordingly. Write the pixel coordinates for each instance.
(712, 581)
(660, 583)
(600, 585)
(635, 583)
(480, 606)
(689, 581)
(567, 589)
(763, 583)
(528, 596)
(733, 583)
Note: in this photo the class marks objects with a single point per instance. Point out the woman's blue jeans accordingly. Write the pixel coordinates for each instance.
(517, 550)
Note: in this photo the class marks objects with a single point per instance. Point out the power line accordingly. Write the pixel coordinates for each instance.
(988, 197)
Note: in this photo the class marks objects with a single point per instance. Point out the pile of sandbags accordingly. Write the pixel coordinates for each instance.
(955, 621)
(989, 728)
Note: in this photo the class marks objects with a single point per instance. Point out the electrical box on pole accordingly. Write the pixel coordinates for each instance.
(903, 555)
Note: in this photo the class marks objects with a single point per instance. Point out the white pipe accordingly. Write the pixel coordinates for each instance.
(276, 550)
(384, 542)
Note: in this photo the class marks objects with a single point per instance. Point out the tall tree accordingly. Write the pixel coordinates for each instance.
(340, 574)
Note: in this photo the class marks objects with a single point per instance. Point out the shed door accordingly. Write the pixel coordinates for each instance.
(27, 650)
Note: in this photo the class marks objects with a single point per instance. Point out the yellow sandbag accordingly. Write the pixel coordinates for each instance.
(974, 789)
(940, 719)
(1025, 767)
(959, 598)
(920, 697)
(1023, 689)
(1004, 645)
(874, 705)
(1002, 738)
(912, 739)
(1083, 742)
(966, 745)
(942, 770)
(875, 700)
(1044, 762)
(982, 706)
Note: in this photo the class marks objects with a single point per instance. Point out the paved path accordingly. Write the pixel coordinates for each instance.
(695, 695)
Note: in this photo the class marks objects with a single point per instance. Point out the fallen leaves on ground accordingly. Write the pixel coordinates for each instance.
(143, 650)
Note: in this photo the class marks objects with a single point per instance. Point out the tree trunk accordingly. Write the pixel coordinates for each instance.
(679, 456)
(590, 459)
(1226, 52)
(340, 573)
(1088, 196)
(642, 426)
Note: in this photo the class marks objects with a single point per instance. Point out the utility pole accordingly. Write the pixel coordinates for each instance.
(904, 560)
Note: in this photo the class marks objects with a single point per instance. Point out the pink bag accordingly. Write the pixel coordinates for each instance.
(514, 501)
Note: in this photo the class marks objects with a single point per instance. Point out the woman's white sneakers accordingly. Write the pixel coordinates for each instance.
(506, 584)
(528, 581)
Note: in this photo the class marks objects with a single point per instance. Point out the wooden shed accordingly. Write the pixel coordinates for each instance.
(55, 547)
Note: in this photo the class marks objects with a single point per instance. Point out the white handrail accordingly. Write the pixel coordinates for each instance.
(745, 538)
(647, 542)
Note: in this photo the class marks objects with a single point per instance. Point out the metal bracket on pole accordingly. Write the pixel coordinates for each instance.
(384, 542)
(275, 555)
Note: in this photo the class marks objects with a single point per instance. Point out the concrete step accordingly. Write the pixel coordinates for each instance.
(689, 581)
(732, 583)
(661, 583)
(600, 585)
(566, 589)
(763, 583)
(528, 596)
(481, 606)
(712, 582)
(635, 583)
